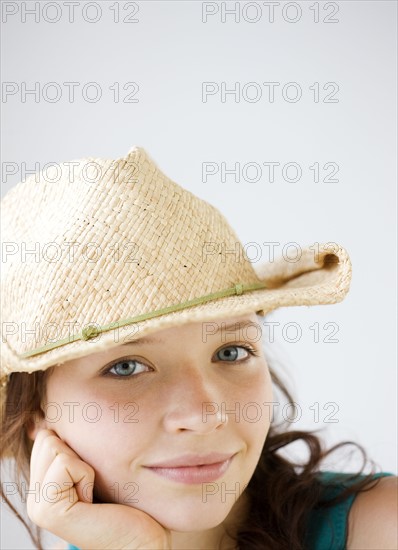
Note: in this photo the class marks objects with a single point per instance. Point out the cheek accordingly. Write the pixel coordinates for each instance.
(92, 424)
(253, 411)
(253, 399)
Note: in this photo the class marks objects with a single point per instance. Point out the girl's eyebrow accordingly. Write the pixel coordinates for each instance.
(230, 327)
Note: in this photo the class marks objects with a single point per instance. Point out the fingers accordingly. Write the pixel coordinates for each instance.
(59, 479)
(46, 447)
(68, 481)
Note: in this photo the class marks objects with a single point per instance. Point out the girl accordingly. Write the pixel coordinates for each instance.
(137, 401)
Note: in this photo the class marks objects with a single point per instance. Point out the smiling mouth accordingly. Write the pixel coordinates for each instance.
(193, 474)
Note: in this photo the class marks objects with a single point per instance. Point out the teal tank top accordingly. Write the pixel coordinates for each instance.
(327, 529)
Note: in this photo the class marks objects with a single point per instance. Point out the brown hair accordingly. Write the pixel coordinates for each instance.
(280, 497)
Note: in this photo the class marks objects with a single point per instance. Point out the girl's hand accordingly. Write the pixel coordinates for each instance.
(60, 501)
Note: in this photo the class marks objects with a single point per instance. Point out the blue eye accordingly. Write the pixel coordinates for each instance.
(127, 368)
(234, 353)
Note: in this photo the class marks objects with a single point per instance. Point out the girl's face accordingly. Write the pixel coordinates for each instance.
(193, 390)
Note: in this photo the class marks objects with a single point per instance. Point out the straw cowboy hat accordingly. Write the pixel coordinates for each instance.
(97, 252)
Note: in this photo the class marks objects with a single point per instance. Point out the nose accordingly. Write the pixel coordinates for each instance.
(194, 404)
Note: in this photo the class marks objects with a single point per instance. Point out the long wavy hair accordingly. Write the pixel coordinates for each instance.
(281, 492)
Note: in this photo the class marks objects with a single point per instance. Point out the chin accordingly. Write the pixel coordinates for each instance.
(197, 518)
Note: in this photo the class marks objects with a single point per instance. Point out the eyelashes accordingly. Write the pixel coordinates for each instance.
(129, 360)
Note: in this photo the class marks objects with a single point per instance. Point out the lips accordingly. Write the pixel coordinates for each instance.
(192, 460)
(193, 469)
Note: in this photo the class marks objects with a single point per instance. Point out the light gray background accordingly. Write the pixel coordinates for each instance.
(169, 53)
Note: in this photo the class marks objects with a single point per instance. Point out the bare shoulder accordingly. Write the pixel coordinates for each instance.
(61, 545)
(373, 518)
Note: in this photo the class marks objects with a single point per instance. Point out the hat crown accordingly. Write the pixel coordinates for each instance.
(97, 240)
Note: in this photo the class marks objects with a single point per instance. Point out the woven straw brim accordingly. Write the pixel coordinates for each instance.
(324, 282)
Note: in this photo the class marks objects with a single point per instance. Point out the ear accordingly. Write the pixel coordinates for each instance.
(37, 422)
